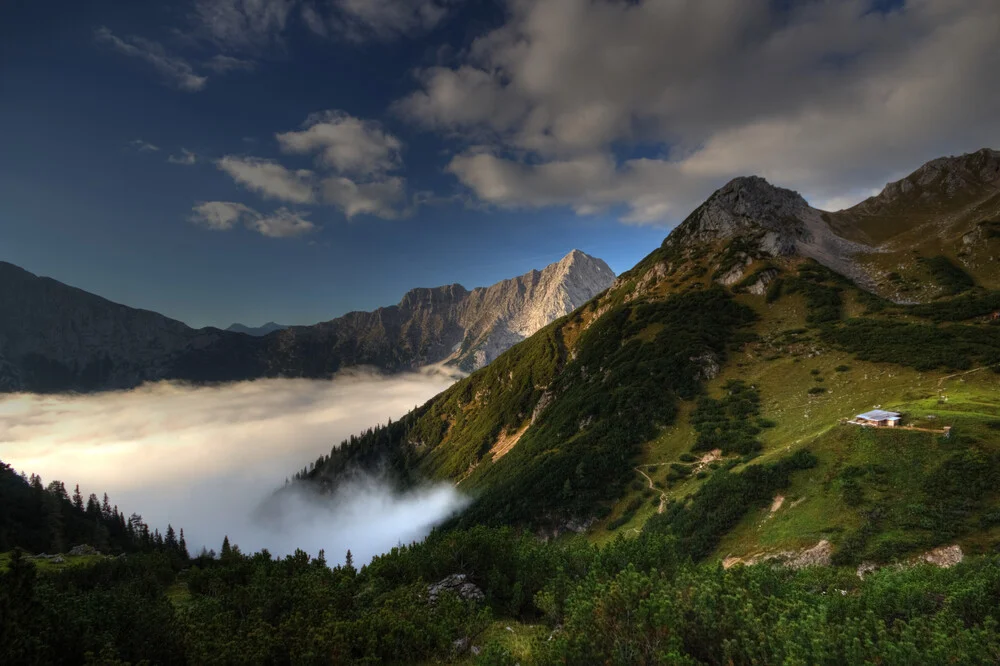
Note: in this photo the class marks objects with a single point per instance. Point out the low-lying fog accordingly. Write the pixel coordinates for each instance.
(204, 458)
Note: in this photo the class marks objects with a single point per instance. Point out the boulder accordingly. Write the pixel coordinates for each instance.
(458, 584)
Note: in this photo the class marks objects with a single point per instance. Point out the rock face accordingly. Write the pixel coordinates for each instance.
(937, 183)
(54, 337)
(458, 584)
(756, 220)
(498, 317)
(57, 338)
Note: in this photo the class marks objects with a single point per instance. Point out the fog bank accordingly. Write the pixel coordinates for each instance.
(203, 458)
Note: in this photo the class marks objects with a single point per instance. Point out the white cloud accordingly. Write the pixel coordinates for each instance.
(360, 20)
(282, 223)
(225, 215)
(270, 179)
(243, 25)
(206, 458)
(346, 144)
(223, 64)
(830, 98)
(175, 70)
(381, 198)
(141, 146)
(355, 158)
(221, 215)
(186, 158)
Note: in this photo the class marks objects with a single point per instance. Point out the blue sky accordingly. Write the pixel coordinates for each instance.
(247, 160)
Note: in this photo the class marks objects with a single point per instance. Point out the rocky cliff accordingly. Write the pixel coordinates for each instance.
(58, 338)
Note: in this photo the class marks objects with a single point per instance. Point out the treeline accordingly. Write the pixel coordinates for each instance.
(633, 601)
(629, 371)
(43, 518)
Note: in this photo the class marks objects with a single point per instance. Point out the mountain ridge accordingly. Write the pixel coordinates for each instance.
(54, 337)
(737, 338)
(264, 329)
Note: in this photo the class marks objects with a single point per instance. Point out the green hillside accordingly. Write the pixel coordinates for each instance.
(695, 414)
(629, 407)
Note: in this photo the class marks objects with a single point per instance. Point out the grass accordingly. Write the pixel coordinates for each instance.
(46, 565)
(517, 639)
(783, 366)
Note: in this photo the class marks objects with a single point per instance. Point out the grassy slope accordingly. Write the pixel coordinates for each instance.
(784, 367)
(45, 565)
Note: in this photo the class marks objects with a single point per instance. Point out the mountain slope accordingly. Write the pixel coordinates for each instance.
(744, 336)
(56, 338)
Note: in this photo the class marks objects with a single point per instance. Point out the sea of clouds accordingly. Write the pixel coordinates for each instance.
(205, 458)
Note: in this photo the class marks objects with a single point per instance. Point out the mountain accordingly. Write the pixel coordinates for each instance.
(707, 393)
(257, 331)
(949, 207)
(58, 338)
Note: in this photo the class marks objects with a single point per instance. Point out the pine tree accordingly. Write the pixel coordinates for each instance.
(182, 546)
(227, 551)
(106, 507)
(93, 506)
(78, 498)
(349, 560)
(171, 541)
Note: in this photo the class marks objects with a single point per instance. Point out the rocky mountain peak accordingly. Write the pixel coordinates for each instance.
(497, 317)
(751, 207)
(938, 182)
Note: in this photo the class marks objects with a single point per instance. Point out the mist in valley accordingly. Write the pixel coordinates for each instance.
(207, 459)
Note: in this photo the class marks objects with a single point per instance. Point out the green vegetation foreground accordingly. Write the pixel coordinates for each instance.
(633, 601)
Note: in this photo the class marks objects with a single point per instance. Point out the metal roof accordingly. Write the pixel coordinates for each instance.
(879, 415)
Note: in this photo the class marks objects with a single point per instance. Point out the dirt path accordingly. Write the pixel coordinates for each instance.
(960, 374)
(663, 496)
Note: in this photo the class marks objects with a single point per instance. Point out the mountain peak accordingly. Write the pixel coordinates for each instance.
(938, 183)
(746, 206)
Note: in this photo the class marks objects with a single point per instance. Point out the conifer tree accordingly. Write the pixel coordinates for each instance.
(78, 498)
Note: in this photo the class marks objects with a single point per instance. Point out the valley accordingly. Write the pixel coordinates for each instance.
(668, 473)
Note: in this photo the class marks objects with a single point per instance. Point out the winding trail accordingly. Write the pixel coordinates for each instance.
(663, 496)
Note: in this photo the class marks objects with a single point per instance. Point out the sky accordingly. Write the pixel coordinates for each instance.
(291, 160)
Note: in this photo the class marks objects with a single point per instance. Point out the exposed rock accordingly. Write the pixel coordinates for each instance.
(57, 338)
(817, 555)
(767, 222)
(543, 402)
(936, 182)
(496, 318)
(764, 278)
(457, 584)
(709, 366)
(945, 556)
(866, 568)
(84, 549)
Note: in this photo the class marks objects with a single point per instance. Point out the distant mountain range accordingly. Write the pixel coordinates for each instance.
(257, 331)
(54, 337)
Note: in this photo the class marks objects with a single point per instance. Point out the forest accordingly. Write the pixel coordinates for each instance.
(644, 600)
